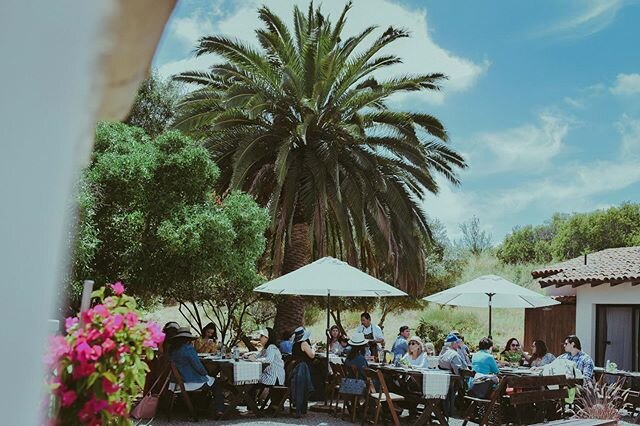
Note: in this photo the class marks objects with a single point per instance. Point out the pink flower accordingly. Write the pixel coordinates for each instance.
(109, 387)
(68, 397)
(118, 408)
(87, 316)
(70, 322)
(102, 311)
(131, 319)
(155, 332)
(108, 345)
(113, 324)
(83, 369)
(93, 334)
(117, 288)
(83, 352)
(96, 352)
(58, 347)
(92, 407)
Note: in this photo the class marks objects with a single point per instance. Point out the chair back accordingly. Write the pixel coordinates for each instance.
(178, 378)
(337, 370)
(528, 390)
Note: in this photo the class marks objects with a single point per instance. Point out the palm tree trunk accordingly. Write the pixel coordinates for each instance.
(297, 253)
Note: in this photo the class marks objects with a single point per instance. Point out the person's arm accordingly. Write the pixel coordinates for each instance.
(195, 361)
(587, 368)
(269, 355)
(306, 348)
(493, 365)
(378, 337)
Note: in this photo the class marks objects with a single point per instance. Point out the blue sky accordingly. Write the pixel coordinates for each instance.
(543, 97)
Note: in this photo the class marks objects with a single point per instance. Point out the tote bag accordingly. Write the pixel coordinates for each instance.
(148, 405)
(351, 386)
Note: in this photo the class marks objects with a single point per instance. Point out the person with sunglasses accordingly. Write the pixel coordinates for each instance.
(512, 352)
(415, 356)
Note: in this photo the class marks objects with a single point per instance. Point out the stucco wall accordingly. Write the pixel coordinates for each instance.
(587, 299)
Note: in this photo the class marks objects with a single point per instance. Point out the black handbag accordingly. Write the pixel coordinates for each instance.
(350, 386)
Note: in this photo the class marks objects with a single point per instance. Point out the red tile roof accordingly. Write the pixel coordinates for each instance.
(614, 265)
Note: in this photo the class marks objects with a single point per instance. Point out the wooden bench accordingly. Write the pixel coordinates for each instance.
(517, 392)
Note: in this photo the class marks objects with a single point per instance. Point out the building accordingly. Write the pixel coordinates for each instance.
(600, 296)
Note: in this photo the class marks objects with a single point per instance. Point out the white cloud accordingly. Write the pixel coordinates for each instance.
(576, 103)
(565, 187)
(528, 148)
(420, 53)
(629, 129)
(626, 84)
(592, 17)
(190, 29)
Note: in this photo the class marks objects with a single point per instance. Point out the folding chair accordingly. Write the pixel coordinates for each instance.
(378, 398)
(334, 387)
(354, 400)
(488, 406)
(180, 389)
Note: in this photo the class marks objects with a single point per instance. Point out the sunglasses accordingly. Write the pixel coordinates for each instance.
(515, 345)
(413, 343)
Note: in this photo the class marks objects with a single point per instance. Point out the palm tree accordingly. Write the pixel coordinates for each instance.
(303, 124)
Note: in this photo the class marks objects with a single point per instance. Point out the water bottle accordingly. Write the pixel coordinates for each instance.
(236, 353)
(223, 351)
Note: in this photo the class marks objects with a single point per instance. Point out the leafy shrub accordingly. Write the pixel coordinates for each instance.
(435, 324)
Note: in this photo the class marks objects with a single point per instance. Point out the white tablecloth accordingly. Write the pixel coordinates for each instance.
(435, 384)
(246, 372)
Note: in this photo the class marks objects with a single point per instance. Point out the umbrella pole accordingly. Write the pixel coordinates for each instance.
(328, 333)
(490, 296)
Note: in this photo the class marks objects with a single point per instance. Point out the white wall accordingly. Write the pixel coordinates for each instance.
(587, 299)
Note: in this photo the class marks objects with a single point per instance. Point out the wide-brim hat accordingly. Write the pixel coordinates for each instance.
(415, 339)
(300, 334)
(357, 339)
(183, 332)
(261, 332)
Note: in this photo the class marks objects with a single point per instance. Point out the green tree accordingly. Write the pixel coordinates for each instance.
(159, 225)
(474, 239)
(303, 123)
(598, 230)
(155, 106)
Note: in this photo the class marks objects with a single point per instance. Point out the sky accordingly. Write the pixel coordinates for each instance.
(542, 98)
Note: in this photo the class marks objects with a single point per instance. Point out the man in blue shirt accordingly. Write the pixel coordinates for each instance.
(401, 344)
(584, 363)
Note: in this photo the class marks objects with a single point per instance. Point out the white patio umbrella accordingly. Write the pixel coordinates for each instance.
(329, 277)
(491, 291)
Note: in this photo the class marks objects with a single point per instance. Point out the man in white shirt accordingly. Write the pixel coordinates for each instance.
(372, 333)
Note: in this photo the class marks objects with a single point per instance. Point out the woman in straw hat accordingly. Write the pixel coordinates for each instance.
(356, 356)
(195, 376)
(415, 356)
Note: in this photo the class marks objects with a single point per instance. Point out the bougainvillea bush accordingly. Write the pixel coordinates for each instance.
(98, 367)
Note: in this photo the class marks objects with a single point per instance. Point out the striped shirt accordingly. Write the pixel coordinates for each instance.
(275, 370)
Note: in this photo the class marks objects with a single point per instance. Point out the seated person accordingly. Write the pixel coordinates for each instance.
(415, 357)
(273, 374)
(207, 342)
(195, 377)
(429, 349)
(450, 358)
(512, 353)
(540, 356)
(170, 329)
(486, 369)
(355, 357)
(584, 363)
(337, 342)
(463, 349)
(401, 344)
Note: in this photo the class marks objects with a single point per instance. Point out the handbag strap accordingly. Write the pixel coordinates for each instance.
(166, 380)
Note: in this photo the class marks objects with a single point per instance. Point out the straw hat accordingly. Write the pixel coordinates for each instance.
(183, 332)
(357, 339)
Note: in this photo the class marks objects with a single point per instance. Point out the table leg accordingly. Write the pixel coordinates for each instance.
(431, 406)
